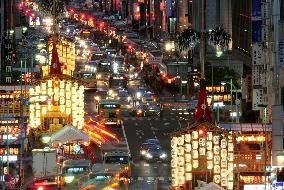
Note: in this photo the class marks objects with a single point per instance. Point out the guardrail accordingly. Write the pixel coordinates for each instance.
(258, 127)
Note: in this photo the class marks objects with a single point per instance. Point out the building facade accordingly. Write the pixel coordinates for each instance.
(7, 11)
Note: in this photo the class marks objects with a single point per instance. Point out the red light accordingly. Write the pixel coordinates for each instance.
(27, 11)
(20, 6)
(202, 132)
(102, 25)
(72, 11)
(129, 47)
(82, 16)
(33, 14)
(90, 19)
(40, 188)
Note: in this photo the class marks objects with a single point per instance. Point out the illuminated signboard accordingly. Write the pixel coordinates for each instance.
(251, 138)
(12, 151)
(215, 89)
(72, 149)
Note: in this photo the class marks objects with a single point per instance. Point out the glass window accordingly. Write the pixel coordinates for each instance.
(116, 159)
(75, 170)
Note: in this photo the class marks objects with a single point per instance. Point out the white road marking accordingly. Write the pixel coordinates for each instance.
(146, 164)
(167, 123)
(124, 134)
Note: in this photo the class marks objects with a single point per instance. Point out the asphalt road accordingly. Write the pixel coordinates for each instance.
(149, 175)
(145, 176)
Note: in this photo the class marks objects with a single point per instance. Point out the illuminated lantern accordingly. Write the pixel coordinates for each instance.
(217, 179)
(202, 132)
(195, 163)
(194, 135)
(194, 154)
(209, 136)
(217, 169)
(209, 155)
(209, 165)
(216, 140)
(187, 138)
(188, 167)
(209, 145)
(195, 145)
(187, 147)
(188, 176)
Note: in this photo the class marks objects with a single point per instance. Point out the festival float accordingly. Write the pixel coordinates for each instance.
(202, 152)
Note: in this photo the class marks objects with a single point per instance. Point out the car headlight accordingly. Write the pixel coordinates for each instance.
(99, 76)
(163, 155)
(148, 155)
(97, 98)
(138, 95)
(128, 98)
(69, 179)
(143, 152)
(139, 111)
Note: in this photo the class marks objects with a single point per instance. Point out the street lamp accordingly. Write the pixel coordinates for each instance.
(236, 95)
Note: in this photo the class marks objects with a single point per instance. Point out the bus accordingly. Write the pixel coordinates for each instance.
(109, 110)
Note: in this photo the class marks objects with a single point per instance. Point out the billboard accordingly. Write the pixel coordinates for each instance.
(256, 8)
(256, 21)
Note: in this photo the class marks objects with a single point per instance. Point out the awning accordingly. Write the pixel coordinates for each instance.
(69, 134)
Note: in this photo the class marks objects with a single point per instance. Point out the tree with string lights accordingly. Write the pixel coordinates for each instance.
(188, 39)
(54, 9)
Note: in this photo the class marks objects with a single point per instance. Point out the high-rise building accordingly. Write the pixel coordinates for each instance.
(7, 24)
(241, 22)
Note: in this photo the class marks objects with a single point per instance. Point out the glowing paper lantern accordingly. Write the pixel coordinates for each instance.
(187, 138)
(209, 165)
(188, 176)
(217, 179)
(187, 147)
(195, 163)
(188, 168)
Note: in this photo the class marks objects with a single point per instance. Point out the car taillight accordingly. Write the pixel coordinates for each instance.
(40, 188)
(126, 168)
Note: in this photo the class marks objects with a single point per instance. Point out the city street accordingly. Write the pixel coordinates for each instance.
(141, 95)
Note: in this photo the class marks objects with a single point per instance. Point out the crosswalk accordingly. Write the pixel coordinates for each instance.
(149, 165)
(148, 179)
(150, 119)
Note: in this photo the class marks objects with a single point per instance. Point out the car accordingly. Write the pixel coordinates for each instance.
(149, 97)
(139, 110)
(155, 153)
(153, 141)
(144, 148)
(140, 92)
(123, 96)
(99, 95)
(51, 183)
